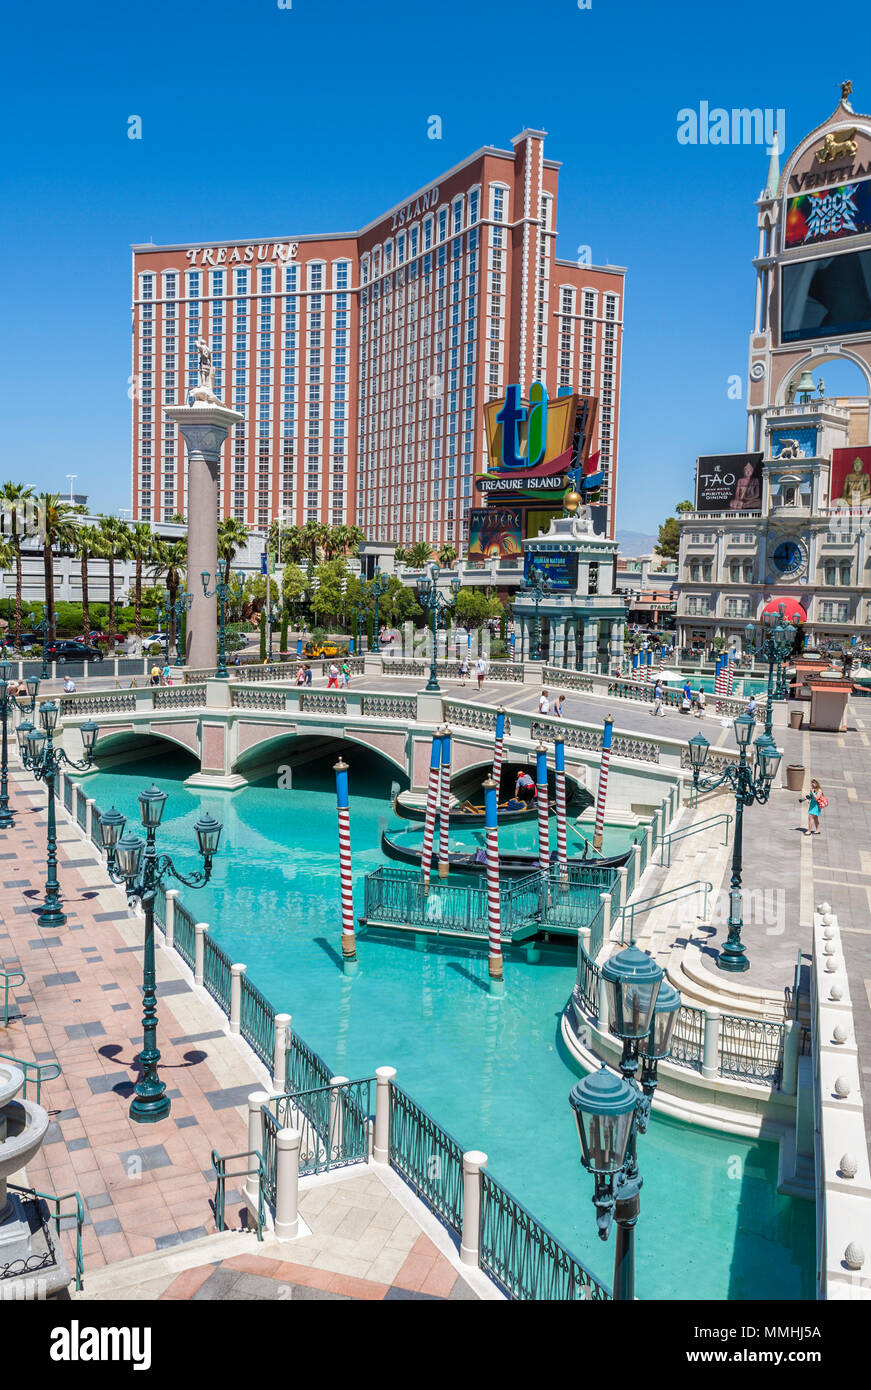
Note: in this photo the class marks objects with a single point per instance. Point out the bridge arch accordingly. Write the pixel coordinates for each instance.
(303, 746)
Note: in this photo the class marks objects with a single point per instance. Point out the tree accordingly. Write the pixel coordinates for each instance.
(89, 546)
(668, 542)
(473, 608)
(233, 536)
(447, 555)
(115, 536)
(170, 560)
(294, 587)
(328, 599)
(418, 555)
(59, 531)
(140, 547)
(12, 496)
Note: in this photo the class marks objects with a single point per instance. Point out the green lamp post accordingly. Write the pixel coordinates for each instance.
(774, 645)
(7, 703)
(749, 783)
(537, 587)
(136, 863)
(40, 757)
(432, 600)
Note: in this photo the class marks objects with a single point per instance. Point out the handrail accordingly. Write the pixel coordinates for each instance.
(685, 831)
(27, 1067)
(80, 1220)
(11, 978)
(659, 900)
(219, 1163)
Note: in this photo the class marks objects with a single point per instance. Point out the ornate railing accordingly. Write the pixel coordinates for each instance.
(688, 1038)
(356, 664)
(35, 1263)
(576, 736)
(184, 933)
(588, 982)
(257, 1021)
(430, 1159)
(572, 897)
(243, 698)
(68, 794)
(398, 896)
(97, 704)
(751, 1049)
(389, 707)
(322, 702)
(524, 1258)
(572, 680)
(81, 808)
(473, 716)
(96, 832)
(216, 972)
(160, 906)
(333, 1125)
(278, 671)
(304, 1069)
(179, 696)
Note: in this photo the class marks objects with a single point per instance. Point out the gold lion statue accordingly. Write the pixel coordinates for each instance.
(837, 144)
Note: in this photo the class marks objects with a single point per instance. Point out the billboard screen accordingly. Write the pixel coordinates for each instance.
(851, 477)
(729, 483)
(495, 533)
(560, 567)
(826, 297)
(837, 212)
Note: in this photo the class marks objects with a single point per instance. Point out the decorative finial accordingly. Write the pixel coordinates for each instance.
(846, 89)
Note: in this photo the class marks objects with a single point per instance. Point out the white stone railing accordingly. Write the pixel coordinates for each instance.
(842, 1173)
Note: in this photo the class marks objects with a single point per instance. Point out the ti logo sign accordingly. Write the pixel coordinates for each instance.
(512, 416)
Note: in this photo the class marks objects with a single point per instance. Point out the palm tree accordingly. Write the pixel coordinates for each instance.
(233, 536)
(140, 545)
(315, 537)
(447, 556)
(58, 531)
(170, 559)
(89, 546)
(7, 555)
(12, 496)
(418, 555)
(115, 535)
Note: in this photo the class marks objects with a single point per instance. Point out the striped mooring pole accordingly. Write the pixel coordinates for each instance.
(730, 674)
(432, 800)
(602, 792)
(543, 807)
(661, 659)
(445, 810)
(494, 918)
(349, 940)
(498, 748)
(559, 750)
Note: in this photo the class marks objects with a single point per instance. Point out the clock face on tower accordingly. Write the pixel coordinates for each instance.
(788, 556)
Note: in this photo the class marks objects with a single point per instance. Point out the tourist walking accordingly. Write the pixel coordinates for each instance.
(308, 675)
(346, 674)
(481, 670)
(658, 697)
(543, 703)
(751, 707)
(333, 681)
(69, 686)
(558, 706)
(699, 702)
(818, 801)
(155, 676)
(300, 675)
(464, 671)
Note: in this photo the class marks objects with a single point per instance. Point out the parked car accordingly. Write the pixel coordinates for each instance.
(316, 649)
(102, 637)
(156, 637)
(73, 651)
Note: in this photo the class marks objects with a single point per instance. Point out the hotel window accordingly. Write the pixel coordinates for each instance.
(170, 282)
(442, 224)
(497, 199)
(341, 275)
(146, 286)
(266, 280)
(400, 249)
(474, 202)
(315, 275)
(457, 215)
(413, 243)
(217, 282)
(193, 284)
(845, 574)
(241, 285)
(610, 306)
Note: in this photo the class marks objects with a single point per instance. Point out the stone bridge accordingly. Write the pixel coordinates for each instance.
(240, 731)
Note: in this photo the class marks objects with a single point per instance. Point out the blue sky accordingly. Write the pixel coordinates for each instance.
(261, 121)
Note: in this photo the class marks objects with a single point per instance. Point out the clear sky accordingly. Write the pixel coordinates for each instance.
(264, 121)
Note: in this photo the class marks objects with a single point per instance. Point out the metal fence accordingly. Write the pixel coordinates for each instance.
(257, 1021)
(524, 1258)
(751, 1049)
(688, 1038)
(572, 897)
(333, 1124)
(399, 896)
(68, 794)
(216, 972)
(304, 1069)
(184, 934)
(430, 1159)
(723, 818)
(81, 808)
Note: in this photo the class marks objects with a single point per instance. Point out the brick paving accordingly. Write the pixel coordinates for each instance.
(148, 1190)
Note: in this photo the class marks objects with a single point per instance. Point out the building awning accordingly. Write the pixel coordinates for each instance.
(793, 611)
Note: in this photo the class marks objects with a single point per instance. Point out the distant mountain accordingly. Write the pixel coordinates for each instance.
(634, 543)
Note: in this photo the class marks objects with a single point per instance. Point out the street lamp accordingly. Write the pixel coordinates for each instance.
(432, 600)
(749, 784)
(223, 591)
(358, 614)
(40, 757)
(179, 608)
(41, 625)
(163, 611)
(378, 586)
(537, 587)
(775, 644)
(611, 1111)
(8, 702)
(136, 863)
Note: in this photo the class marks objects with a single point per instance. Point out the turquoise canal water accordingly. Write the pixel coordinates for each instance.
(493, 1072)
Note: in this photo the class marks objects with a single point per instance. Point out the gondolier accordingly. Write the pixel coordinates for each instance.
(524, 788)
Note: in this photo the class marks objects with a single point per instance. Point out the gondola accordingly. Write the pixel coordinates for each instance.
(475, 861)
(468, 798)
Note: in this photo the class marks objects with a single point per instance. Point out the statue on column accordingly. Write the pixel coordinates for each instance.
(204, 392)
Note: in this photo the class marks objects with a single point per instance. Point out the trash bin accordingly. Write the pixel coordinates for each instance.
(795, 718)
(794, 777)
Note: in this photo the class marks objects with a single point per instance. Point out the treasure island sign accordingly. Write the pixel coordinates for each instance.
(533, 444)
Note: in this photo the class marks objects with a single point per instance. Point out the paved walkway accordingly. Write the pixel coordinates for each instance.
(149, 1191)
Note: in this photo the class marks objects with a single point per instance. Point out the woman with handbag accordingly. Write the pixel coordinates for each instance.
(818, 802)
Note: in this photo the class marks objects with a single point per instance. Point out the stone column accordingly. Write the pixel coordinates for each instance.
(617, 638)
(383, 1078)
(558, 645)
(473, 1161)
(571, 644)
(591, 639)
(204, 428)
